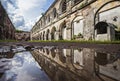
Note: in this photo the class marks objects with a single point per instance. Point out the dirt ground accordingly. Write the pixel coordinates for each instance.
(100, 47)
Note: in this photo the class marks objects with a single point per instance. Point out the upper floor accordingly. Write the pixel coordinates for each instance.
(58, 10)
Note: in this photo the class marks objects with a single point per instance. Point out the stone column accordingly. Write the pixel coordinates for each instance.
(69, 30)
(57, 35)
(49, 36)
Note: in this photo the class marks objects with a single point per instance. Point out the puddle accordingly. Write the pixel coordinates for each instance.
(82, 64)
(58, 64)
(21, 67)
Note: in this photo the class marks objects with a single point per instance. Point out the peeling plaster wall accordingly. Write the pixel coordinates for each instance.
(87, 10)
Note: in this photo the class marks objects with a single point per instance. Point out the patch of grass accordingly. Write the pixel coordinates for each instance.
(79, 41)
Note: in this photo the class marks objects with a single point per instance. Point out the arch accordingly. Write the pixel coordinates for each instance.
(95, 16)
(48, 18)
(63, 6)
(63, 31)
(53, 30)
(62, 58)
(77, 26)
(41, 35)
(47, 51)
(54, 13)
(44, 35)
(47, 34)
(53, 53)
(78, 58)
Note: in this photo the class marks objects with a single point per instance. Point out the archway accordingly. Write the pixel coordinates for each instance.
(47, 34)
(107, 16)
(44, 35)
(63, 6)
(54, 13)
(53, 33)
(41, 35)
(63, 31)
(77, 29)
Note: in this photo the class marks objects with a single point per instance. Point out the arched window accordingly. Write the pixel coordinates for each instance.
(63, 31)
(48, 18)
(44, 35)
(54, 13)
(78, 26)
(64, 6)
(53, 33)
(47, 34)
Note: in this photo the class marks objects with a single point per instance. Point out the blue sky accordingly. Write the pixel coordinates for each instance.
(24, 13)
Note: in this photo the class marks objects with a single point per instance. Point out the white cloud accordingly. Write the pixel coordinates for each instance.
(29, 4)
(24, 13)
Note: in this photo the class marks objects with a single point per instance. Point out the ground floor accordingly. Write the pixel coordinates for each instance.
(91, 23)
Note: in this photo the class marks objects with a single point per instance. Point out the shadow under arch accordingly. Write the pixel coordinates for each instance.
(99, 10)
(43, 35)
(47, 34)
(53, 30)
(61, 27)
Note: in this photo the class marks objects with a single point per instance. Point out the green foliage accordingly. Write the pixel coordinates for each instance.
(80, 35)
(19, 31)
(74, 36)
(78, 41)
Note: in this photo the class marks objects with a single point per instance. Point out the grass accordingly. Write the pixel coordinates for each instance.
(79, 41)
(70, 41)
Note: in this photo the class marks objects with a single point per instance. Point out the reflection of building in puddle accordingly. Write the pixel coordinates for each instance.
(107, 66)
(65, 62)
(76, 64)
(78, 59)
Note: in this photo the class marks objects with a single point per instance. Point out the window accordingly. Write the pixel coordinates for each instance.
(64, 6)
(78, 26)
(101, 27)
(48, 18)
(54, 13)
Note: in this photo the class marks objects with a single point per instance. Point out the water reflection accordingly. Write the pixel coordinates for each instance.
(20, 66)
(78, 64)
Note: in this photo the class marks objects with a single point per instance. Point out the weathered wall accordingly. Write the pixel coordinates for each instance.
(22, 36)
(7, 29)
(85, 9)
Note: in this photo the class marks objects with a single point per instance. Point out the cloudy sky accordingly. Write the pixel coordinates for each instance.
(24, 13)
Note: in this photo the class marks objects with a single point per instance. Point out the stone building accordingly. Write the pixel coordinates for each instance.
(22, 36)
(79, 19)
(7, 29)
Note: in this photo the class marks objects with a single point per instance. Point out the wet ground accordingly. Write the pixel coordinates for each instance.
(19, 65)
(53, 63)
